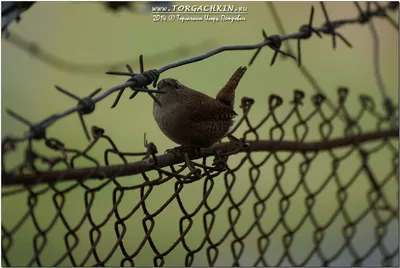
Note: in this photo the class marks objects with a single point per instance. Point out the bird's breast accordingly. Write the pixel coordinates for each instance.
(171, 119)
(175, 122)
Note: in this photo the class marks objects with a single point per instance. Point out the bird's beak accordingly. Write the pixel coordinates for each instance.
(167, 82)
(161, 84)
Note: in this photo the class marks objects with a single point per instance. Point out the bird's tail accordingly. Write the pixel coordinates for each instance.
(227, 93)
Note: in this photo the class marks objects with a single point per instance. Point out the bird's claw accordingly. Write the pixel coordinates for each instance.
(178, 151)
(194, 174)
(184, 151)
(240, 143)
(174, 151)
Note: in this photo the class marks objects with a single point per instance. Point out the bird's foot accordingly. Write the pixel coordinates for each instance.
(239, 143)
(178, 151)
(185, 151)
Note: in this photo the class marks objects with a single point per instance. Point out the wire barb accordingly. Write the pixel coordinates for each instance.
(329, 28)
(38, 131)
(140, 82)
(381, 11)
(274, 42)
(19, 117)
(85, 106)
(307, 31)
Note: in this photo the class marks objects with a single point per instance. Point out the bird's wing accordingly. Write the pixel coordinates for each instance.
(210, 109)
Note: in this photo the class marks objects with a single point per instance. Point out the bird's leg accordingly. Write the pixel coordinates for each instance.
(193, 170)
(182, 150)
(220, 161)
(232, 138)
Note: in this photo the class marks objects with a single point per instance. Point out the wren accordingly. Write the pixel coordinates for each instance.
(193, 119)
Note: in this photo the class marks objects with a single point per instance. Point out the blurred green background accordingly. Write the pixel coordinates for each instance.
(88, 33)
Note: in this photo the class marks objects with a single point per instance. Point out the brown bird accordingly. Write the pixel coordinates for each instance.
(193, 119)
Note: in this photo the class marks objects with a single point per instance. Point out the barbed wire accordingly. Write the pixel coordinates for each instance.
(139, 82)
(363, 18)
(11, 11)
(52, 60)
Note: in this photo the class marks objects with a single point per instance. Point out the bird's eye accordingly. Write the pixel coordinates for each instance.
(176, 84)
